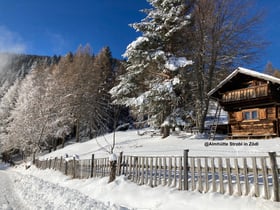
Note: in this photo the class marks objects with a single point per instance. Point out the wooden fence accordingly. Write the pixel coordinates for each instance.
(240, 176)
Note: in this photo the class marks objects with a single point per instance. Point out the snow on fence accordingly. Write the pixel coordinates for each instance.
(240, 176)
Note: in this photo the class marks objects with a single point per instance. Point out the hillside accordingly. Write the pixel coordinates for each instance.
(13, 66)
(130, 143)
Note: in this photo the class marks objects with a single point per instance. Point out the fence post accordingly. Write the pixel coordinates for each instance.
(50, 163)
(60, 164)
(92, 165)
(120, 164)
(55, 163)
(186, 169)
(66, 167)
(74, 167)
(256, 182)
(275, 181)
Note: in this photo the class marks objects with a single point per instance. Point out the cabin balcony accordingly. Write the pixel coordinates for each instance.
(246, 93)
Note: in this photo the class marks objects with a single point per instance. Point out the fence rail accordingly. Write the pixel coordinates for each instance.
(254, 176)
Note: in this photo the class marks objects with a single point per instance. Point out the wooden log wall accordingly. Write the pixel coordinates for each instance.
(255, 128)
(242, 176)
(267, 124)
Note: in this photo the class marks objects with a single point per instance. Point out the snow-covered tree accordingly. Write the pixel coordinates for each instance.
(28, 116)
(7, 104)
(58, 99)
(4, 88)
(156, 62)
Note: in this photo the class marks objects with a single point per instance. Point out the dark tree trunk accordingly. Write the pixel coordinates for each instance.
(165, 130)
(78, 131)
(55, 144)
(63, 141)
(113, 169)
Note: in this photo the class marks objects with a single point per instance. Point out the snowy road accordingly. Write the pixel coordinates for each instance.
(26, 192)
(35, 189)
(8, 197)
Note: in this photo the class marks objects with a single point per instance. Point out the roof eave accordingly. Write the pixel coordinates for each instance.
(221, 84)
(248, 72)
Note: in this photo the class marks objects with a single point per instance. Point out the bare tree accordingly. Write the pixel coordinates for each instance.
(271, 70)
(81, 85)
(223, 35)
(109, 146)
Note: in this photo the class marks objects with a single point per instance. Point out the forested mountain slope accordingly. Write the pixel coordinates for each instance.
(13, 66)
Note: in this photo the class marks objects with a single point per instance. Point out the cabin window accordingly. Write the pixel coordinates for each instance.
(246, 115)
(250, 115)
(254, 115)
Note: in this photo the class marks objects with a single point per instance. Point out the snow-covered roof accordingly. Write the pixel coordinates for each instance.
(246, 72)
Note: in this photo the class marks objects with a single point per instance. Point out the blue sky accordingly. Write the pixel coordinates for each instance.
(271, 31)
(49, 27)
(59, 26)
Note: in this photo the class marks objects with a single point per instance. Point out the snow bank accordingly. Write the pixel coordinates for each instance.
(56, 191)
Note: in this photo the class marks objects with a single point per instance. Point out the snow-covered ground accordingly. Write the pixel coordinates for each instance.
(9, 199)
(130, 143)
(49, 189)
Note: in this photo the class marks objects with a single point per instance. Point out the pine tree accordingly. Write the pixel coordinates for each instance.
(155, 62)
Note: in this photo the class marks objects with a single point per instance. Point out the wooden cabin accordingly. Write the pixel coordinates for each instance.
(252, 100)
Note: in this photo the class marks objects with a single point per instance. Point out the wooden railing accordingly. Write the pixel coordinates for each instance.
(241, 176)
(246, 93)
